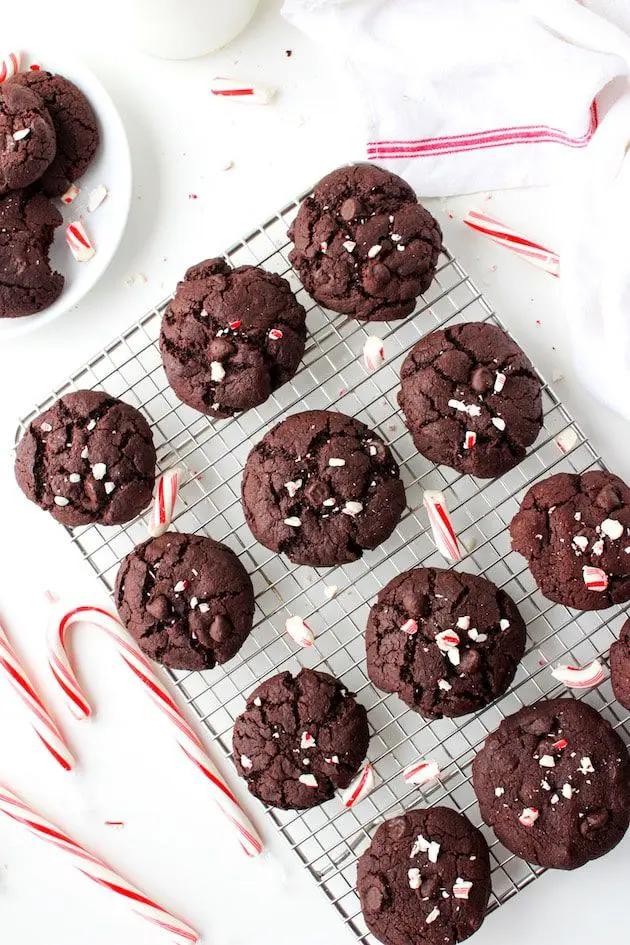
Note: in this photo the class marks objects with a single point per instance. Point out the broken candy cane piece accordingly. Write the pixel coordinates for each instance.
(79, 242)
(594, 578)
(441, 525)
(246, 92)
(529, 816)
(161, 514)
(363, 784)
(498, 232)
(576, 677)
(10, 66)
(299, 631)
(71, 194)
(373, 353)
(566, 440)
(422, 772)
(96, 198)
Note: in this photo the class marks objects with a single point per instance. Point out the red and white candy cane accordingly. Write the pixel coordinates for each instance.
(594, 578)
(363, 784)
(95, 869)
(10, 66)
(498, 232)
(79, 242)
(422, 772)
(166, 491)
(41, 720)
(139, 665)
(441, 525)
(247, 92)
(580, 677)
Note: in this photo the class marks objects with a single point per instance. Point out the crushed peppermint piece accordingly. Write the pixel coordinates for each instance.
(373, 353)
(217, 371)
(612, 528)
(598, 547)
(70, 194)
(566, 440)
(96, 198)
(292, 487)
(45, 427)
(547, 761)
(499, 791)
(576, 677)
(415, 878)
(61, 500)
(432, 916)
(554, 799)
(422, 845)
(560, 744)
(109, 487)
(446, 640)
(90, 425)
(333, 760)
(99, 470)
(499, 382)
(331, 591)
(473, 410)
(474, 634)
(246, 762)
(462, 888)
(276, 334)
(499, 423)
(529, 816)
(410, 627)
(21, 134)
(329, 503)
(84, 453)
(444, 685)
(258, 702)
(299, 631)
(586, 766)
(204, 608)
(79, 241)
(352, 508)
(74, 477)
(422, 772)
(349, 245)
(580, 542)
(453, 656)
(363, 784)
(373, 251)
(335, 461)
(180, 586)
(193, 602)
(594, 578)
(307, 741)
(293, 521)
(308, 779)
(470, 439)
(463, 623)
(504, 624)
(567, 791)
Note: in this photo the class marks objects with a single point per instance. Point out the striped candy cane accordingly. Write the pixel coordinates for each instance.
(95, 869)
(10, 66)
(161, 514)
(139, 665)
(242, 91)
(443, 532)
(41, 720)
(498, 232)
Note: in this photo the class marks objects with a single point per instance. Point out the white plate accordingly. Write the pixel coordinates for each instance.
(111, 167)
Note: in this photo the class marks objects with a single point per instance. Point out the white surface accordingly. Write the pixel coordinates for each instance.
(105, 226)
(172, 843)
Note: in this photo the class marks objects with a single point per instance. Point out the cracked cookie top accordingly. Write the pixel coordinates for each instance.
(88, 458)
(321, 488)
(425, 878)
(471, 399)
(553, 782)
(27, 137)
(574, 531)
(186, 599)
(363, 245)
(230, 337)
(300, 739)
(75, 126)
(447, 642)
(620, 666)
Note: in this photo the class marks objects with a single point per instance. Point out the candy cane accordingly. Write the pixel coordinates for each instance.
(498, 232)
(163, 506)
(373, 353)
(441, 525)
(299, 631)
(41, 720)
(79, 242)
(363, 784)
(576, 677)
(594, 578)
(139, 665)
(242, 91)
(10, 66)
(422, 772)
(94, 868)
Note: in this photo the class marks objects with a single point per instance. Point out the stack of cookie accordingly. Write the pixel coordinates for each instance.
(49, 137)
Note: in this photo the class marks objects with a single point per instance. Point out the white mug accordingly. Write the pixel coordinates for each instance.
(183, 29)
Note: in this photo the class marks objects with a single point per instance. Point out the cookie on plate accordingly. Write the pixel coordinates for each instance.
(321, 488)
(553, 782)
(75, 126)
(186, 599)
(88, 458)
(27, 226)
(574, 531)
(231, 337)
(620, 666)
(425, 879)
(363, 245)
(446, 642)
(28, 137)
(300, 739)
(471, 399)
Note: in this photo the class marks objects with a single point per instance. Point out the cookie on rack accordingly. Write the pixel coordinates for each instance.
(363, 245)
(448, 643)
(471, 399)
(186, 599)
(425, 878)
(620, 666)
(27, 226)
(28, 137)
(321, 488)
(574, 531)
(88, 459)
(231, 337)
(300, 739)
(75, 125)
(553, 782)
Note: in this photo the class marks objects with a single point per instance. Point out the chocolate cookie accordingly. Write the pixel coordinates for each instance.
(186, 599)
(471, 399)
(574, 531)
(447, 642)
(75, 124)
(321, 488)
(27, 136)
(230, 337)
(88, 458)
(364, 246)
(425, 879)
(620, 666)
(553, 782)
(300, 739)
(27, 226)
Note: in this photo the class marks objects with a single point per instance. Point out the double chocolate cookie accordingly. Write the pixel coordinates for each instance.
(88, 458)
(230, 337)
(363, 245)
(74, 122)
(471, 399)
(300, 739)
(553, 781)
(620, 666)
(425, 879)
(574, 531)
(321, 488)
(186, 599)
(27, 227)
(448, 643)
(27, 135)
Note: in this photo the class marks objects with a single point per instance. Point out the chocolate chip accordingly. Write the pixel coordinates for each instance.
(220, 348)
(430, 886)
(609, 498)
(482, 380)
(350, 209)
(469, 662)
(220, 628)
(374, 899)
(396, 828)
(158, 608)
(381, 274)
(593, 822)
(316, 492)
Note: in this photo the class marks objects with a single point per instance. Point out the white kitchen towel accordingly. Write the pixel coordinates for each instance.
(469, 95)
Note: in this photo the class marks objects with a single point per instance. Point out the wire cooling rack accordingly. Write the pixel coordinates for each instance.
(328, 839)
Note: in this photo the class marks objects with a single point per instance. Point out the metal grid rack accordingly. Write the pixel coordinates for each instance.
(329, 838)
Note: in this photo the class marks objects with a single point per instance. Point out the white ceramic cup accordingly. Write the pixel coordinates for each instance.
(183, 29)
